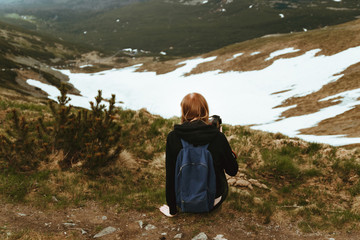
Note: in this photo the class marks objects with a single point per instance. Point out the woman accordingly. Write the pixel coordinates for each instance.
(197, 130)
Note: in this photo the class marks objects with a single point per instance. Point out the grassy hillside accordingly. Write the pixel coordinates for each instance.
(25, 54)
(314, 187)
(178, 28)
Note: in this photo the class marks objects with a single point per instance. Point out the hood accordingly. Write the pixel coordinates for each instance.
(197, 133)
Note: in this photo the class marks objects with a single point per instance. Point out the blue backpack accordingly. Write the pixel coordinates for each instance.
(195, 180)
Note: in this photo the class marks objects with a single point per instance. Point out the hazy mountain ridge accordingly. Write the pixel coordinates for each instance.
(64, 4)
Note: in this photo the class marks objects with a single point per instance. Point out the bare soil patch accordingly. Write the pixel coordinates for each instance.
(160, 67)
(84, 222)
(347, 123)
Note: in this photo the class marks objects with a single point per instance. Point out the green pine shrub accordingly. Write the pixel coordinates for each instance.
(102, 136)
(91, 137)
(21, 149)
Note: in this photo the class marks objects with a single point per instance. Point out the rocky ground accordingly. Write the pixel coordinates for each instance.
(95, 221)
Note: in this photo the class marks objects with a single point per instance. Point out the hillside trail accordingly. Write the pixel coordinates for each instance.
(87, 221)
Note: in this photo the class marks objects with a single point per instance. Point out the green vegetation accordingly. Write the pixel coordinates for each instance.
(355, 190)
(281, 163)
(26, 151)
(6, 104)
(93, 136)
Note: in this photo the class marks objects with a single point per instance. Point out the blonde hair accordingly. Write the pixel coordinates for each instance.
(194, 107)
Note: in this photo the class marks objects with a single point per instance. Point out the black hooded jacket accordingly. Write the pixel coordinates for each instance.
(199, 133)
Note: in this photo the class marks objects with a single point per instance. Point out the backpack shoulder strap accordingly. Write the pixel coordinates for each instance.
(186, 144)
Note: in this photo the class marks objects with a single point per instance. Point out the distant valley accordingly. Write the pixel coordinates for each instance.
(175, 28)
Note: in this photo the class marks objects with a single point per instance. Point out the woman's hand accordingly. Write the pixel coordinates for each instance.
(166, 211)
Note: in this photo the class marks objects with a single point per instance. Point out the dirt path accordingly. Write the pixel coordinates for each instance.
(26, 222)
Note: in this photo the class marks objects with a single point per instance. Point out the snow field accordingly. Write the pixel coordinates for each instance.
(244, 98)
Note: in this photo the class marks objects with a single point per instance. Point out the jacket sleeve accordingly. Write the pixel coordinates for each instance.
(170, 163)
(230, 164)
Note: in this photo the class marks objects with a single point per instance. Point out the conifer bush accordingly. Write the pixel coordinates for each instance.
(91, 137)
(21, 150)
(102, 134)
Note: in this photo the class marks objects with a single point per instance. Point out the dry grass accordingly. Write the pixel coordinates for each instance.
(127, 160)
(160, 67)
(330, 40)
(346, 123)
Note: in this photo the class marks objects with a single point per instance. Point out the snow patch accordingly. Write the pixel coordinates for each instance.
(87, 65)
(235, 56)
(281, 52)
(335, 140)
(347, 96)
(81, 101)
(130, 50)
(255, 53)
(134, 51)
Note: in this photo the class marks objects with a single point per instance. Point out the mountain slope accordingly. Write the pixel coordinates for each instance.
(180, 28)
(285, 83)
(253, 57)
(25, 54)
(331, 40)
